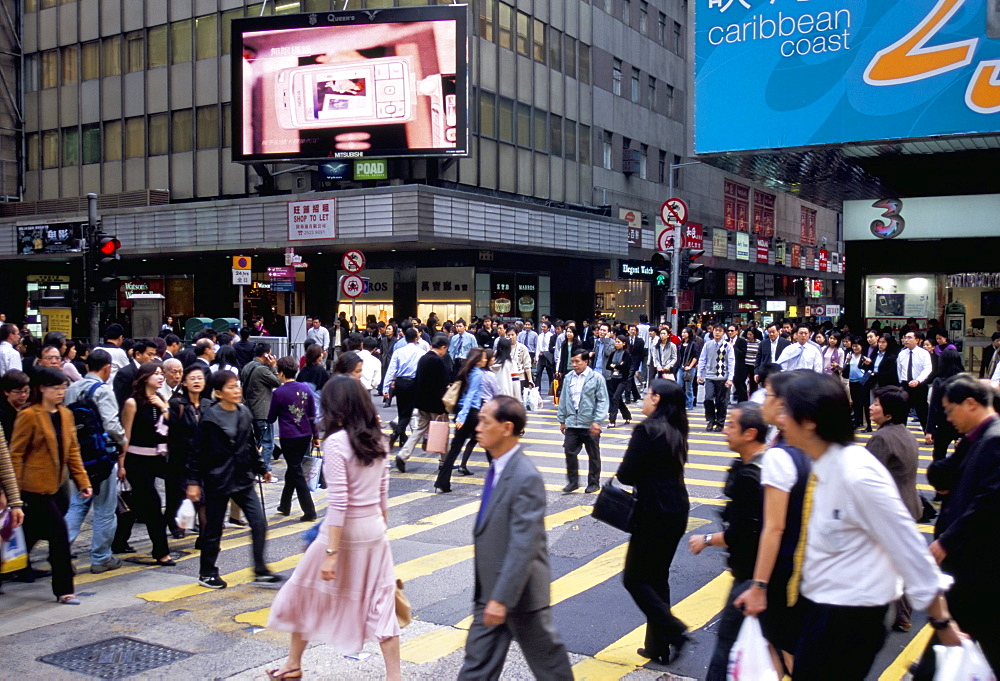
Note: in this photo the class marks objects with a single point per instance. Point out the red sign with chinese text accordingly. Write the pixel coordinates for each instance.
(693, 236)
(730, 283)
(762, 250)
(824, 260)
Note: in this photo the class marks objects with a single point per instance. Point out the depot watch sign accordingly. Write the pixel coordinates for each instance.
(838, 71)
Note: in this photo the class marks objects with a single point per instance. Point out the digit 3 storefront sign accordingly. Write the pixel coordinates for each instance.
(771, 75)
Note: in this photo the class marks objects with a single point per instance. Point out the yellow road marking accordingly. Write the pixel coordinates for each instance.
(433, 521)
(911, 653)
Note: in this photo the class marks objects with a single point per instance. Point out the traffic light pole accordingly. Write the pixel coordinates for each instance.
(91, 295)
(675, 261)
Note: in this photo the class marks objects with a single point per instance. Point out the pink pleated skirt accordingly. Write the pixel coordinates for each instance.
(356, 607)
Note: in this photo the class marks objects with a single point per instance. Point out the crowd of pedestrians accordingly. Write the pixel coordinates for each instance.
(821, 532)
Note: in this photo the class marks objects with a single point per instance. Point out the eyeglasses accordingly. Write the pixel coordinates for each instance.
(21, 391)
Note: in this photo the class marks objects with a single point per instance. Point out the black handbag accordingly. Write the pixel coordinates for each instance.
(614, 506)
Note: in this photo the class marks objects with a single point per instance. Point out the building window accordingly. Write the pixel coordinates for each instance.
(626, 152)
(643, 157)
(135, 52)
(523, 40)
(585, 145)
(50, 68)
(30, 72)
(157, 46)
(570, 146)
(651, 93)
(487, 114)
(227, 28)
(807, 220)
(227, 125)
(70, 147)
(763, 213)
(505, 126)
(70, 59)
(523, 125)
(661, 29)
(182, 131)
(30, 6)
(643, 17)
(487, 9)
(111, 55)
(606, 141)
(539, 41)
(208, 126)
(609, 7)
(670, 101)
(616, 77)
(506, 25)
(541, 131)
(626, 12)
(159, 134)
(32, 150)
(48, 4)
(736, 206)
(50, 149)
(91, 143)
(584, 68)
(91, 60)
(555, 45)
(135, 137)
(180, 42)
(635, 86)
(569, 56)
(678, 40)
(661, 168)
(555, 134)
(206, 36)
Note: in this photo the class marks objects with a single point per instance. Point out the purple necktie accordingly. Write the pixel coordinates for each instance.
(487, 491)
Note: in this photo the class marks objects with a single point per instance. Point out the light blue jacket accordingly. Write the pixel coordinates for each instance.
(594, 401)
(472, 398)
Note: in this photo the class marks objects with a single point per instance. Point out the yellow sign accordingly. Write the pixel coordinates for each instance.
(241, 262)
(59, 319)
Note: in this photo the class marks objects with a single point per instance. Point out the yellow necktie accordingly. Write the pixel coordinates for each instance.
(800, 547)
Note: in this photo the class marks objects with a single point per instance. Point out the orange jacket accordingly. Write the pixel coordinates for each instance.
(37, 463)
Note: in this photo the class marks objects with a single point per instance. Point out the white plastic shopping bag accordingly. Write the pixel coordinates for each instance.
(185, 515)
(532, 398)
(750, 657)
(962, 663)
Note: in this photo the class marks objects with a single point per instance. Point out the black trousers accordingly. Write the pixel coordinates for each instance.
(405, 392)
(918, 401)
(142, 472)
(633, 389)
(576, 439)
(716, 400)
(945, 435)
(975, 611)
(740, 383)
(838, 642)
(216, 508)
(617, 388)
(175, 490)
(465, 435)
(860, 397)
(546, 365)
(646, 577)
(44, 519)
(751, 384)
(295, 450)
(728, 628)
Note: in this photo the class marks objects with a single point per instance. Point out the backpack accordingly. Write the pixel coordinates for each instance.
(97, 450)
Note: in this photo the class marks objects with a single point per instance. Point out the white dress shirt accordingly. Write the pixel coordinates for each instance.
(798, 356)
(10, 358)
(500, 463)
(921, 364)
(862, 546)
(371, 370)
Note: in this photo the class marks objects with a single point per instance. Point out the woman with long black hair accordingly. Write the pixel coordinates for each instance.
(144, 418)
(654, 466)
(182, 437)
(343, 590)
(473, 377)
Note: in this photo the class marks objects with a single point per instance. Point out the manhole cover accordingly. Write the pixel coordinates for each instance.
(115, 658)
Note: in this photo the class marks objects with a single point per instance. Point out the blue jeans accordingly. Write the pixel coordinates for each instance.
(266, 441)
(105, 522)
(688, 386)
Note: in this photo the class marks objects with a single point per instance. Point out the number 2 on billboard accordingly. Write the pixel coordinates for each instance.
(909, 60)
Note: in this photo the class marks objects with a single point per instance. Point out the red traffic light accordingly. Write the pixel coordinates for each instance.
(695, 253)
(109, 246)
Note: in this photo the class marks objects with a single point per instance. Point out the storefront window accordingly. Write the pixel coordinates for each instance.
(624, 300)
(892, 299)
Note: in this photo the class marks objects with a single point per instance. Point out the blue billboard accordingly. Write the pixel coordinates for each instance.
(773, 74)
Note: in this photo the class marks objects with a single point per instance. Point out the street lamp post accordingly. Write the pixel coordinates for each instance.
(675, 261)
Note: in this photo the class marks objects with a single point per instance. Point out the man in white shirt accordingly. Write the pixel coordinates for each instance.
(544, 355)
(113, 337)
(371, 367)
(319, 333)
(913, 366)
(801, 354)
(10, 358)
(858, 546)
(461, 343)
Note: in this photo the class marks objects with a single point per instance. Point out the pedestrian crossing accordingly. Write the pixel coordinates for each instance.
(432, 534)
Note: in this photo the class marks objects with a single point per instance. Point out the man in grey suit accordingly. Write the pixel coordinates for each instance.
(512, 558)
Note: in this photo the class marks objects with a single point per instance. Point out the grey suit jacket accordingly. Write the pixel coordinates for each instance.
(512, 557)
(896, 448)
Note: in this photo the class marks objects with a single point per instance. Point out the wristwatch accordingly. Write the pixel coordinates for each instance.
(708, 539)
(937, 624)
(759, 584)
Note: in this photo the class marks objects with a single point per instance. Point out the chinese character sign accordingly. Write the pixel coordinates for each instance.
(634, 220)
(762, 249)
(693, 235)
(818, 72)
(312, 220)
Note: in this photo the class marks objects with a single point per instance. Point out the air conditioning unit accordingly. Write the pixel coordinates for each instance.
(630, 161)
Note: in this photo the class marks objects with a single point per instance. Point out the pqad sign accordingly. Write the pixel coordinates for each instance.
(792, 74)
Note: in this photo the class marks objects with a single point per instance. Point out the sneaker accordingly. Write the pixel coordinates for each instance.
(112, 563)
(268, 580)
(571, 487)
(212, 582)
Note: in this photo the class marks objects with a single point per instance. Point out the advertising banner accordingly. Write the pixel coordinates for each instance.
(772, 75)
(312, 219)
(693, 236)
(720, 243)
(762, 250)
(634, 220)
(742, 246)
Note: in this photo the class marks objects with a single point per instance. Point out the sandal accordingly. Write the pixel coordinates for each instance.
(290, 674)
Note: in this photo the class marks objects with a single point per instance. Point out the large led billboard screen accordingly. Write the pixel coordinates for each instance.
(773, 74)
(372, 83)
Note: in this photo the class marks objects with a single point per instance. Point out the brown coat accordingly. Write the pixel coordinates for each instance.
(37, 463)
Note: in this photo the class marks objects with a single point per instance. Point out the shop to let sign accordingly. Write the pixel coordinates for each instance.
(312, 220)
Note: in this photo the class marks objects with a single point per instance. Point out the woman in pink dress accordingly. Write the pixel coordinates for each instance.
(343, 591)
